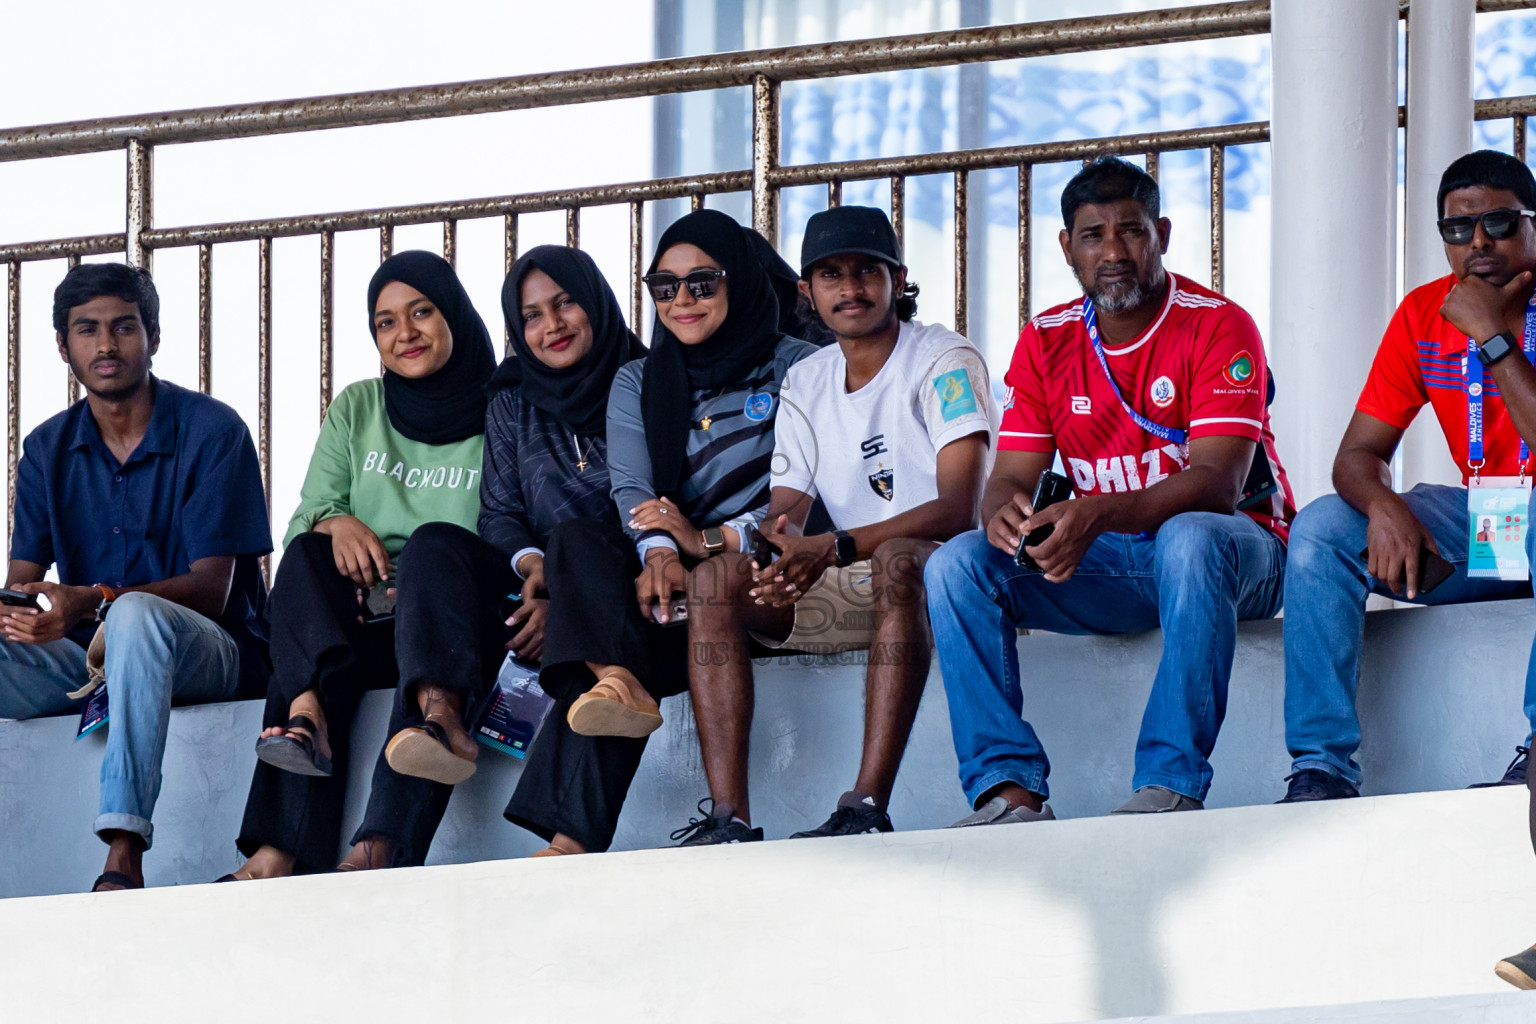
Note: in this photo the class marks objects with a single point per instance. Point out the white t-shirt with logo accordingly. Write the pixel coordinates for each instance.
(873, 454)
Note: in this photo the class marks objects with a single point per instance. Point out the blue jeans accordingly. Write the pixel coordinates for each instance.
(155, 651)
(1195, 578)
(1325, 618)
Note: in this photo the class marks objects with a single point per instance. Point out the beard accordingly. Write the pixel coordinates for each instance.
(1124, 295)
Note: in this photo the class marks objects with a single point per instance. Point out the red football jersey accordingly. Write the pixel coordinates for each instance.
(1422, 359)
(1198, 367)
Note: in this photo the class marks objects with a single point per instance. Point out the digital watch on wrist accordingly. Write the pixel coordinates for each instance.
(714, 540)
(1495, 348)
(844, 548)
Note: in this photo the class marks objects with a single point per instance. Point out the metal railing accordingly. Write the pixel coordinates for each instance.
(763, 70)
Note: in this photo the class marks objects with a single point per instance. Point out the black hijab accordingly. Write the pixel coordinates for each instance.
(578, 394)
(449, 405)
(783, 279)
(744, 340)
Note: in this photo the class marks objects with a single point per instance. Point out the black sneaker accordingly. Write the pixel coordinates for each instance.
(856, 814)
(1316, 784)
(716, 827)
(1514, 775)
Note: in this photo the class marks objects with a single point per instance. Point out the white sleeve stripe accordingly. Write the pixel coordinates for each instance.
(1226, 419)
(1020, 433)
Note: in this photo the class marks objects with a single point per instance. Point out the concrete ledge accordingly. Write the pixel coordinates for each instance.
(1244, 909)
(1503, 1008)
(1440, 698)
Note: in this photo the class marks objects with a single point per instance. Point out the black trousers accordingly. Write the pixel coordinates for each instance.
(318, 643)
(574, 784)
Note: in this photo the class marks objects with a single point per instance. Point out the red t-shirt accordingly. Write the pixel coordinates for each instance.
(1198, 367)
(1422, 359)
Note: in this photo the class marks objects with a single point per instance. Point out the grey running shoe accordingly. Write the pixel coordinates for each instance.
(997, 812)
(1519, 970)
(1156, 800)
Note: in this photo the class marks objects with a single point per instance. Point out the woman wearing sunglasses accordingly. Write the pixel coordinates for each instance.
(690, 439)
(397, 464)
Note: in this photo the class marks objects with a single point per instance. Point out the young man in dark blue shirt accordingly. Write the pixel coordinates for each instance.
(148, 498)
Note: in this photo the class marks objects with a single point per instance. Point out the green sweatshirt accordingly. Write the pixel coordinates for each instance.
(363, 467)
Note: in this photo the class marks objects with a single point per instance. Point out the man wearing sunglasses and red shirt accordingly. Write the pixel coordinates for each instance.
(1454, 344)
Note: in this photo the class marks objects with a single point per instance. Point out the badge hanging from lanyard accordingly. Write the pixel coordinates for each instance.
(1498, 507)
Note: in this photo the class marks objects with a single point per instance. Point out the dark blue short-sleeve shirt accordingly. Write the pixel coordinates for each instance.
(192, 489)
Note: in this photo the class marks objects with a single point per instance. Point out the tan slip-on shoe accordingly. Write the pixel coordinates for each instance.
(617, 705)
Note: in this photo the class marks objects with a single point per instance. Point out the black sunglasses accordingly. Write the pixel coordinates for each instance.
(1496, 224)
(702, 284)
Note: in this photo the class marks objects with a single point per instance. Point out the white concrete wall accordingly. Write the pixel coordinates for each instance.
(1241, 909)
(1440, 711)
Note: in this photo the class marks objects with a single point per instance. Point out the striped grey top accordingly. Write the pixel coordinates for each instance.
(726, 474)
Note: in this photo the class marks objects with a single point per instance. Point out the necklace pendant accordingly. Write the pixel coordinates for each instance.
(581, 465)
(705, 422)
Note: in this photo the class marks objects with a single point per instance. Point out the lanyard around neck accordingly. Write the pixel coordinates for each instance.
(1169, 434)
(1473, 374)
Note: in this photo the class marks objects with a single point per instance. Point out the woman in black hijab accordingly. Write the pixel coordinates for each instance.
(395, 468)
(690, 443)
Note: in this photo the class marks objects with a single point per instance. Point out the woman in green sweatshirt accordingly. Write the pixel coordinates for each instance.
(394, 454)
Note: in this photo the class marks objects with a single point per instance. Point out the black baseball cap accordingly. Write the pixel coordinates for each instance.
(849, 229)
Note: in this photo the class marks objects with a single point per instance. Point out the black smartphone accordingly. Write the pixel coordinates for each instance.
(677, 610)
(757, 544)
(1050, 489)
(1433, 570)
(510, 604)
(16, 599)
(380, 602)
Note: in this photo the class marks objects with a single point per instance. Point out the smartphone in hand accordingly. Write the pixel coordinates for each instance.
(1433, 570)
(757, 544)
(16, 599)
(1050, 489)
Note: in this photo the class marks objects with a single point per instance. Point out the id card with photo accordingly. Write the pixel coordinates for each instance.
(1498, 512)
(515, 709)
(94, 715)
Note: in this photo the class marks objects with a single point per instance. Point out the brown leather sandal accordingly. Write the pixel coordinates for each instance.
(424, 752)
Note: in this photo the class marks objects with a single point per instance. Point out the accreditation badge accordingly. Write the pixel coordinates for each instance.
(1498, 514)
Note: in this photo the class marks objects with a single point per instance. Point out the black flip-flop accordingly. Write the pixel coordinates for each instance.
(115, 878)
(296, 754)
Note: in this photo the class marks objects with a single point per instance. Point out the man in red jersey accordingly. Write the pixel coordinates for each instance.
(1453, 344)
(1153, 391)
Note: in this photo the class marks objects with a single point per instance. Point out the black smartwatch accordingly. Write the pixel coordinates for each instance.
(844, 547)
(1496, 348)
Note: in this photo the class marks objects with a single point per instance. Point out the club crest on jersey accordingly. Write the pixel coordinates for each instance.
(757, 407)
(1162, 392)
(882, 483)
(1239, 372)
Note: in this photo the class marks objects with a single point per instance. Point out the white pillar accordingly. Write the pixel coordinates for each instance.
(1333, 240)
(1440, 43)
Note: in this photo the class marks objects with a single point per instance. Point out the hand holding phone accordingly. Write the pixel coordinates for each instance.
(17, 599)
(757, 544)
(1050, 489)
(1433, 569)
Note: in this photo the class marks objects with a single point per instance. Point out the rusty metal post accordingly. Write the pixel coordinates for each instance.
(264, 379)
(141, 199)
(205, 318)
(636, 262)
(962, 251)
(1520, 138)
(765, 157)
(1152, 162)
(1218, 214)
(834, 194)
(899, 210)
(508, 257)
(697, 203)
(12, 394)
(327, 307)
(74, 382)
(451, 243)
(573, 227)
(1026, 176)
(386, 242)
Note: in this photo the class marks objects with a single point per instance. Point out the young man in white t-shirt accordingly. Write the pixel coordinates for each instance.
(892, 428)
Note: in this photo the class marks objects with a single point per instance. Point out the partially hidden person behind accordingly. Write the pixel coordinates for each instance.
(148, 499)
(892, 428)
(392, 491)
(691, 436)
(546, 508)
(1462, 345)
(1153, 390)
